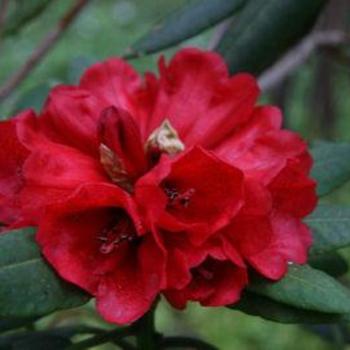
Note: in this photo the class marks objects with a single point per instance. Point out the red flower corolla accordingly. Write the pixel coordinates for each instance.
(173, 185)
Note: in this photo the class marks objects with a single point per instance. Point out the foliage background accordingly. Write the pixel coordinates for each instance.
(106, 28)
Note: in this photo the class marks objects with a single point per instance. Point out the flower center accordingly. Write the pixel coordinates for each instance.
(178, 199)
(205, 270)
(112, 238)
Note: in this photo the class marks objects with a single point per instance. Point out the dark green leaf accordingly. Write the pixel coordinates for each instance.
(51, 342)
(331, 165)
(306, 288)
(29, 287)
(34, 341)
(264, 30)
(336, 334)
(330, 225)
(257, 305)
(185, 23)
(7, 324)
(332, 263)
(21, 12)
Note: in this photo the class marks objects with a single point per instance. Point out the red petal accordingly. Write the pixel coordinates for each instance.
(229, 282)
(200, 99)
(114, 82)
(12, 157)
(217, 186)
(119, 131)
(290, 243)
(260, 149)
(222, 286)
(181, 257)
(263, 120)
(54, 172)
(293, 192)
(257, 199)
(69, 233)
(128, 293)
(70, 117)
(249, 235)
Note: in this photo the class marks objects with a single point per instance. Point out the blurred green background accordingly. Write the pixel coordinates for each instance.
(106, 28)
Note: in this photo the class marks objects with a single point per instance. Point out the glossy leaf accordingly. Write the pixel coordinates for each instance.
(330, 225)
(331, 165)
(331, 333)
(264, 30)
(13, 323)
(34, 341)
(185, 23)
(306, 288)
(29, 287)
(257, 305)
(331, 263)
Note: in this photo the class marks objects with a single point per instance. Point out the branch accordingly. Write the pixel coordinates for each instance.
(42, 49)
(299, 54)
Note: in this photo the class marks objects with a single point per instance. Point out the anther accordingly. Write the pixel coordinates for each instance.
(177, 199)
(113, 238)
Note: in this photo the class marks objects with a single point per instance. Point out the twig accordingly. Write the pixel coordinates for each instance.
(42, 49)
(299, 54)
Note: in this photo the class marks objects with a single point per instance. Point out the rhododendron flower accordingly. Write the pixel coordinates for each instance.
(176, 184)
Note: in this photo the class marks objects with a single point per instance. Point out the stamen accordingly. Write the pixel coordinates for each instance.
(177, 199)
(113, 238)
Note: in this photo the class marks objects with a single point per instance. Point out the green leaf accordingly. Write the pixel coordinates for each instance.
(7, 324)
(34, 341)
(306, 288)
(331, 263)
(264, 30)
(257, 305)
(330, 225)
(331, 165)
(185, 23)
(21, 12)
(51, 342)
(29, 287)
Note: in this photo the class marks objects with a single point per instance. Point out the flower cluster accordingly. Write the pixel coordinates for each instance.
(174, 185)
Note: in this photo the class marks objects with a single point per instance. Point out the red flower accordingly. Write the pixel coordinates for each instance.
(174, 185)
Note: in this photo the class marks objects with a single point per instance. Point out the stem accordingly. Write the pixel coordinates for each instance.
(146, 337)
(105, 337)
